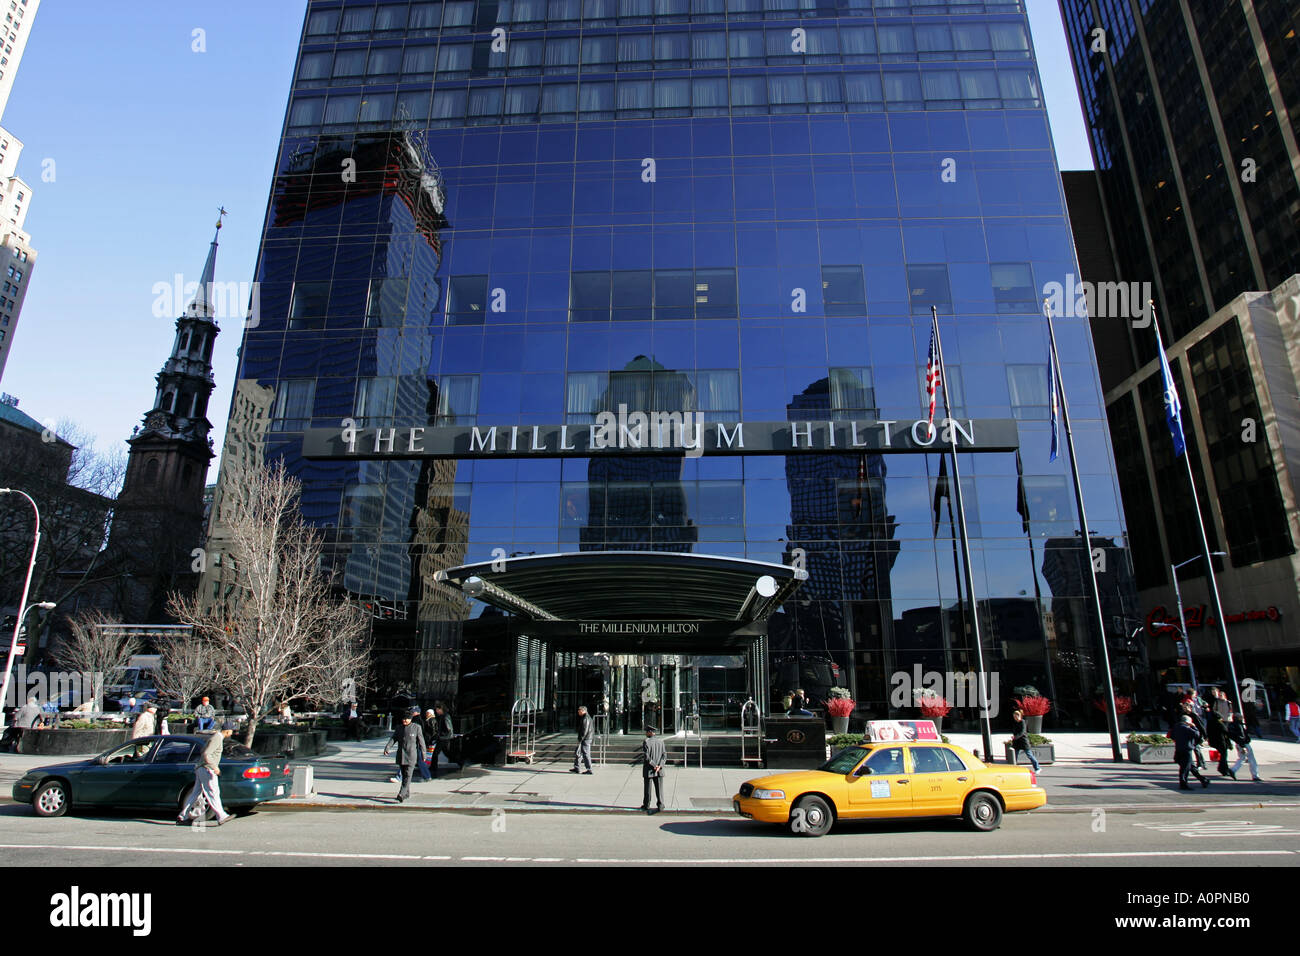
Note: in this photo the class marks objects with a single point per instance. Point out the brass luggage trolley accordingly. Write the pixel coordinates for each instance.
(523, 731)
(751, 734)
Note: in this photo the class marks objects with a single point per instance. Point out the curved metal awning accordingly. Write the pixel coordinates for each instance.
(630, 586)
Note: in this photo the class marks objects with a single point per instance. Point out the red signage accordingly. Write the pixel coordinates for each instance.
(1198, 616)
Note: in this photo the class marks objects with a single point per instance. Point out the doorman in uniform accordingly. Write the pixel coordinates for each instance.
(655, 755)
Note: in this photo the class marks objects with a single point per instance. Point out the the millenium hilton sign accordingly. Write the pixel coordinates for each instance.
(660, 433)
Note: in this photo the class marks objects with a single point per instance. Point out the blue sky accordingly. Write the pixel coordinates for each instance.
(148, 138)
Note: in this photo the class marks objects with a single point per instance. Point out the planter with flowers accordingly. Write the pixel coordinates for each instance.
(1149, 748)
(933, 707)
(1033, 707)
(1043, 748)
(839, 706)
(1122, 706)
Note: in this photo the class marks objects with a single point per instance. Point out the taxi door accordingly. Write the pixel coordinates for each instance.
(939, 785)
(881, 786)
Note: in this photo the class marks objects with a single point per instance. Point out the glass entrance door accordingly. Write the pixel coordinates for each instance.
(579, 681)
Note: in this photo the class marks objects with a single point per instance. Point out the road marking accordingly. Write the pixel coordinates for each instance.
(651, 860)
(1223, 828)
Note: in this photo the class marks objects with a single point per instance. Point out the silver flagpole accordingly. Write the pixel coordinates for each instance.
(1224, 646)
(1112, 718)
(955, 485)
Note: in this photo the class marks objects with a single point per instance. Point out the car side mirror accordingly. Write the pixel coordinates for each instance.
(862, 771)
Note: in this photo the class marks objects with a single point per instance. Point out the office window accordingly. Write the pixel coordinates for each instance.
(563, 11)
(717, 391)
(424, 17)
(1013, 287)
(458, 16)
(863, 92)
(748, 95)
(562, 55)
(386, 303)
(633, 51)
(843, 291)
(384, 61)
(786, 93)
(391, 17)
(927, 285)
(599, 52)
(584, 396)
(674, 294)
(521, 103)
(310, 300)
(559, 101)
(709, 48)
(457, 400)
(524, 56)
(293, 404)
(635, 98)
(715, 293)
(323, 23)
(1029, 390)
(454, 59)
(374, 404)
(672, 50)
(448, 107)
(314, 66)
(852, 395)
(709, 96)
(590, 296)
(357, 20)
(466, 299)
(632, 297)
(484, 106)
(745, 47)
(596, 98)
(363, 506)
(349, 64)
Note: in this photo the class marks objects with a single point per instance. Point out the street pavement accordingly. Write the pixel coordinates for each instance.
(1218, 838)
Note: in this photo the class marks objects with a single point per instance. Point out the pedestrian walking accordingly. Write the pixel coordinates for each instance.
(1214, 732)
(410, 751)
(205, 716)
(1186, 737)
(395, 740)
(655, 756)
(206, 793)
(1239, 732)
(586, 731)
(1292, 716)
(352, 720)
(442, 737)
(146, 724)
(1189, 709)
(1020, 740)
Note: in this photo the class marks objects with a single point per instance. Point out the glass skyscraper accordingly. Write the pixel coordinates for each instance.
(516, 213)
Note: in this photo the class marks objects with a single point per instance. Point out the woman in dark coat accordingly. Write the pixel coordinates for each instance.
(1214, 733)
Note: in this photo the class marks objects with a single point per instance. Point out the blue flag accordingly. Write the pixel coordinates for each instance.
(1053, 401)
(1173, 407)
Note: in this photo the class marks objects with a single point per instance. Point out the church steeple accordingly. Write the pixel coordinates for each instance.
(184, 385)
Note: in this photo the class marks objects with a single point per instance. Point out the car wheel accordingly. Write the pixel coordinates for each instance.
(983, 812)
(811, 817)
(52, 799)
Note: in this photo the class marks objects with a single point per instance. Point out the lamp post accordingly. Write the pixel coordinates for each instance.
(1182, 621)
(22, 603)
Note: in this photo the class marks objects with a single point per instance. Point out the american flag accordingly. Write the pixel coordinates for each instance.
(932, 377)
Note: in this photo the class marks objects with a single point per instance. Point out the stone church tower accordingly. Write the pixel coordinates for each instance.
(158, 519)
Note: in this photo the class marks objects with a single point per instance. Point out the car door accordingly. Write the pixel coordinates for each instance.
(881, 785)
(939, 786)
(112, 780)
(168, 774)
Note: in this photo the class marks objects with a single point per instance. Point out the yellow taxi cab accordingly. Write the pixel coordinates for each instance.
(898, 774)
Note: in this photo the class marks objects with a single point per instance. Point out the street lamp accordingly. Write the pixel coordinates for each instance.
(22, 603)
(1182, 621)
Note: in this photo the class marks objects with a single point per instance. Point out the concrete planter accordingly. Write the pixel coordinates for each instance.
(1150, 753)
(301, 743)
(1043, 753)
(839, 725)
(67, 743)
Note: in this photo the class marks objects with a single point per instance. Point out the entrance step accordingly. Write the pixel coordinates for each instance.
(720, 750)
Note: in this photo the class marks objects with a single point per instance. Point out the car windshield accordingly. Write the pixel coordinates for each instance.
(844, 761)
(234, 751)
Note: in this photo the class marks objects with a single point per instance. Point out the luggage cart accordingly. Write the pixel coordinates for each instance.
(523, 731)
(751, 734)
(692, 726)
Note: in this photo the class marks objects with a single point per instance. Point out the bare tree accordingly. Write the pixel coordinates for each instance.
(187, 667)
(280, 632)
(96, 648)
(343, 669)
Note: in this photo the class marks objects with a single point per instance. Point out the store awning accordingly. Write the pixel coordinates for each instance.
(631, 587)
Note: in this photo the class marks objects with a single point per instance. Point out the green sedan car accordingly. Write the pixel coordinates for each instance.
(152, 773)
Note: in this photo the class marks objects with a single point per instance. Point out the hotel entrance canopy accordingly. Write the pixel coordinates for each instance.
(647, 600)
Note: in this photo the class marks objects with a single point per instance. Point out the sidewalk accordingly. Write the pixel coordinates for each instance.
(1083, 777)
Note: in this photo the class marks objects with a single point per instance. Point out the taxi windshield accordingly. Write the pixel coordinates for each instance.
(844, 761)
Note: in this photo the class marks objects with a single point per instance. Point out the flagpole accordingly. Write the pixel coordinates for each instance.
(1112, 718)
(955, 484)
(1224, 647)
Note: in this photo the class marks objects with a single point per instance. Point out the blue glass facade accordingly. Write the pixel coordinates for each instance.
(529, 212)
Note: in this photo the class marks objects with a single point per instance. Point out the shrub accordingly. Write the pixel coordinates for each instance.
(842, 692)
(1155, 740)
(934, 707)
(840, 741)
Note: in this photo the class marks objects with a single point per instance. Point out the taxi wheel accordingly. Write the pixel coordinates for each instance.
(51, 799)
(983, 812)
(811, 817)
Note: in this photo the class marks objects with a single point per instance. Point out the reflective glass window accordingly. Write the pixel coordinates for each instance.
(589, 301)
(843, 292)
(709, 48)
(715, 293)
(633, 51)
(584, 396)
(596, 98)
(310, 300)
(357, 20)
(562, 55)
(748, 94)
(454, 59)
(927, 285)
(322, 23)
(424, 16)
(457, 400)
(374, 404)
(559, 100)
(524, 56)
(390, 17)
(484, 106)
(349, 64)
(1013, 286)
(1028, 387)
(672, 50)
(852, 395)
(857, 43)
(599, 51)
(419, 60)
(674, 294)
(466, 299)
(314, 66)
(293, 404)
(448, 107)
(709, 96)
(632, 295)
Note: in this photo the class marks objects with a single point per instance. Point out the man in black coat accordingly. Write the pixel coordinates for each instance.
(440, 739)
(1186, 737)
(1214, 733)
(410, 751)
(655, 755)
(586, 731)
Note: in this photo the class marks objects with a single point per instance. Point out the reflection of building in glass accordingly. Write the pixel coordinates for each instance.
(638, 502)
(839, 520)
